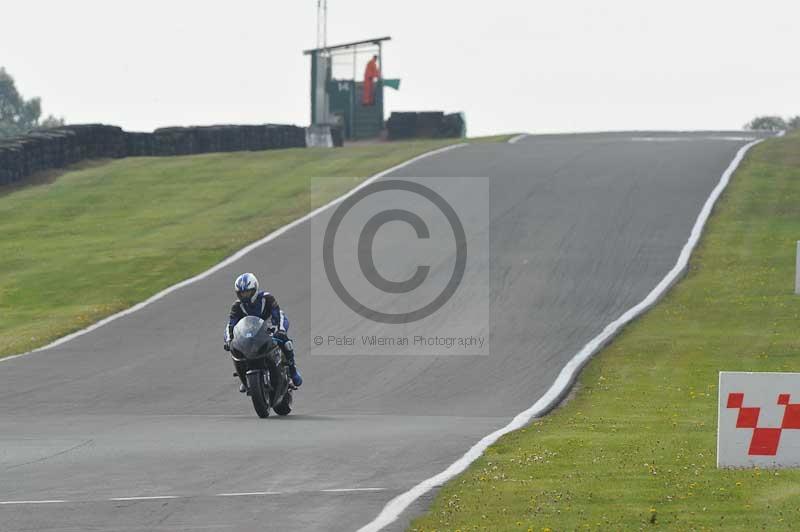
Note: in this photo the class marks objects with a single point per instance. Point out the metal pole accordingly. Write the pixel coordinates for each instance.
(325, 26)
(797, 271)
(322, 23)
(319, 23)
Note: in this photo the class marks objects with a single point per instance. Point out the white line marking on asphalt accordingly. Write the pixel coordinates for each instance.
(569, 372)
(249, 494)
(168, 497)
(236, 256)
(689, 139)
(347, 490)
(33, 502)
(514, 140)
(150, 498)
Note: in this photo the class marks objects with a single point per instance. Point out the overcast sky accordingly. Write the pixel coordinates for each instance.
(535, 66)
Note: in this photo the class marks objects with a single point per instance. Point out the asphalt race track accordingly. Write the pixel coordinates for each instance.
(144, 410)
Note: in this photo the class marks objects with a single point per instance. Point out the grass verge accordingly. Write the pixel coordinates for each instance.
(80, 246)
(635, 448)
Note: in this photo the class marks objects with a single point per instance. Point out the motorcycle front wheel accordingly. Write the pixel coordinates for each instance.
(259, 393)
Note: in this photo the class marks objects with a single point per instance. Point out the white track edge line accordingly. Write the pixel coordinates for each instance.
(167, 497)
(249, 494)
(349, 490)
(517, 138)
(54, 501)
(236, 256)
(395, 507)
(149, 498)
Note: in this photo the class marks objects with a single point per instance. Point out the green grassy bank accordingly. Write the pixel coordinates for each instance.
(99, 239)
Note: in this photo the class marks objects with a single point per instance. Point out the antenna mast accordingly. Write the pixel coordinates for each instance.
(322, 23)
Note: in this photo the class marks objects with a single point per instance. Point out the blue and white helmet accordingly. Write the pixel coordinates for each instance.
(246, 287)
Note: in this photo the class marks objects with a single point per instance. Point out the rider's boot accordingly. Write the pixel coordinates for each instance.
(241, 372)
(294, 373)
(288, 350)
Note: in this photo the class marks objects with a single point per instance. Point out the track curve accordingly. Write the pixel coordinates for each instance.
(138, 425)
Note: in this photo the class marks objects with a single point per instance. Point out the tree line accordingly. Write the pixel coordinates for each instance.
(19, 116)
(774, 123)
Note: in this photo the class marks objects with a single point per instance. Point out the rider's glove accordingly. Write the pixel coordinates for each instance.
(280, 335)
(226, 347)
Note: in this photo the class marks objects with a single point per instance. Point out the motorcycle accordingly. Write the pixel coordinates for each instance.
(255, 351)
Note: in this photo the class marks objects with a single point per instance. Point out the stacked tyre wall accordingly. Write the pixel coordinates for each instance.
(58, 147)
(211, 139)
(432, 124)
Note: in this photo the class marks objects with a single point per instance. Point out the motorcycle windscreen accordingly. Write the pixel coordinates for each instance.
(250, 337)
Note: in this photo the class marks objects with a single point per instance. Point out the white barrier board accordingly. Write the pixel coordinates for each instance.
(319, 137)
(758, 420)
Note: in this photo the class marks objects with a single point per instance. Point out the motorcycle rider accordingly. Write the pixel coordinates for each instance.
(252, 302)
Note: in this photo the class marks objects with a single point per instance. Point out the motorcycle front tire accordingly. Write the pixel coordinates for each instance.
(259, 393)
